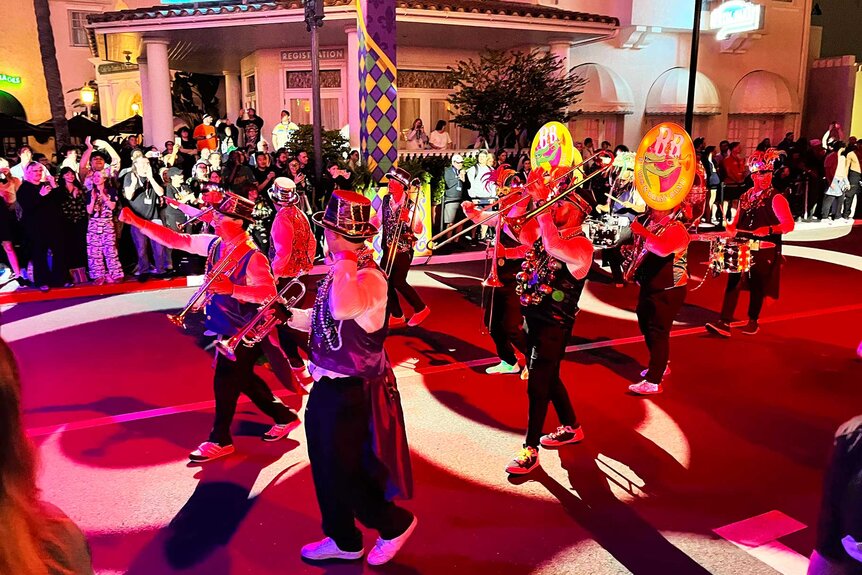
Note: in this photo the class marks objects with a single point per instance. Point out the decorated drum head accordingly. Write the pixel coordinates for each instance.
(553, 146)
(665, 166)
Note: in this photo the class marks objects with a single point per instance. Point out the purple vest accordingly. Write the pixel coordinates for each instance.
(343, 346)
(225, 315)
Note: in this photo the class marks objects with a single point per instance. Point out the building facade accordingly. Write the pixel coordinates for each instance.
(22, 80)
(634, 54)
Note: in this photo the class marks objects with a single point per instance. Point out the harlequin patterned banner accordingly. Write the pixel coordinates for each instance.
(378, 114)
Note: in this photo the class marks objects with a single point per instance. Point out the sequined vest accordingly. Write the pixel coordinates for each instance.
(756, 212)
(343, 346)
(407, 239)
(225, 315)
(303, 248)
(547, 288)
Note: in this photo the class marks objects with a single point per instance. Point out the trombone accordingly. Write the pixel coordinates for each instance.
(393, 244)
(203, 296)
(262, 323)
(199, 216)
(432, 244)
(518, 222)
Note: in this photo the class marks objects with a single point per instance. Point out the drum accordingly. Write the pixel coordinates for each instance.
(604, 232)
(730, 255)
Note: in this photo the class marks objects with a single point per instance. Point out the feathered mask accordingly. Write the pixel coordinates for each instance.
(764, 161)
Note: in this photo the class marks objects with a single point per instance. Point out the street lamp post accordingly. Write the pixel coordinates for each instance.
(88, 96)
(313, 21)
(692, 67)
(136, 108)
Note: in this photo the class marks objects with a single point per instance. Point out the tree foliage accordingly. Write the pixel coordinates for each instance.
(193, 95)
(509, 93)
(335, 147)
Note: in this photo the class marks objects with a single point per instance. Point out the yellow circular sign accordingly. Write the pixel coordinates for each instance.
(665, 166)
(552, 147)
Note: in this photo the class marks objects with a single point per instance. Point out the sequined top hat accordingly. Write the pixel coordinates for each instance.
(227, 203)
(348, 214)
(401, 179)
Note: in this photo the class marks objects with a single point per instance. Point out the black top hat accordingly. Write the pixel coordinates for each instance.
(227, 203)
(348, 214)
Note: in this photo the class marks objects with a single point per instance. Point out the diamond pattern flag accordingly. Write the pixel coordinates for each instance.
(378, 115)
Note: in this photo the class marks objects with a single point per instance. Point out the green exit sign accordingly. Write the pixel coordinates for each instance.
(7, 79)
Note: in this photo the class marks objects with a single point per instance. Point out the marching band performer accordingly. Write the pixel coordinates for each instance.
(550, 286)
(661, 254)
(357, 444)
(246, 282)
(502, 305)
(764, 215)
(624, 206)
(395, 217)
(292, 253)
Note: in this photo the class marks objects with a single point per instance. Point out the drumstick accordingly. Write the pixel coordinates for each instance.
(614, 198)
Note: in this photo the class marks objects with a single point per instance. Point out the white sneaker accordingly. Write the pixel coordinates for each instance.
(665, 374)
(281, 430)
(385, 549)
(503, 367)
(207, 451)
(327, 549)
(645, 388)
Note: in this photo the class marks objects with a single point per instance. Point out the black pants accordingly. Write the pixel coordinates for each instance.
(398, 284)
(504, 321)
(290, 340)
(348, 479)
(614, 255)
(656, 311)
(41, 242)
(758, 281)
(547, 343)
(855, 179)
(235, 377)
(831, 207)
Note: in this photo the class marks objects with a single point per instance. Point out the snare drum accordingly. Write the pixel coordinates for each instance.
(730, 255)
(604, 233)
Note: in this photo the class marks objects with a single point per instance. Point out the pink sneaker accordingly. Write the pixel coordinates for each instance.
(419, 317)
(645, 388)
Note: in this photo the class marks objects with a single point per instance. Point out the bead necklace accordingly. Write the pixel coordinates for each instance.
(323, 325)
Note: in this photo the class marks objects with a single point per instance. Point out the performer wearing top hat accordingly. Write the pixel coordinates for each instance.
(292, 254)
(357, 444)
(550, 287)
(246, 282)
(764, 215)
(399, 234)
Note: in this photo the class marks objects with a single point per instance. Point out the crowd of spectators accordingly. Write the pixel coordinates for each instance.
(61, 219)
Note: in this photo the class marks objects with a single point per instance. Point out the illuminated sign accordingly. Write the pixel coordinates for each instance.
(7, 79)
(735, 16)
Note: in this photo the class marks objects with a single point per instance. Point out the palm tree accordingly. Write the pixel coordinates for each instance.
(52, 72)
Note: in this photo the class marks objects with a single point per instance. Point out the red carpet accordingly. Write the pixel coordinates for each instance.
(743, 428)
